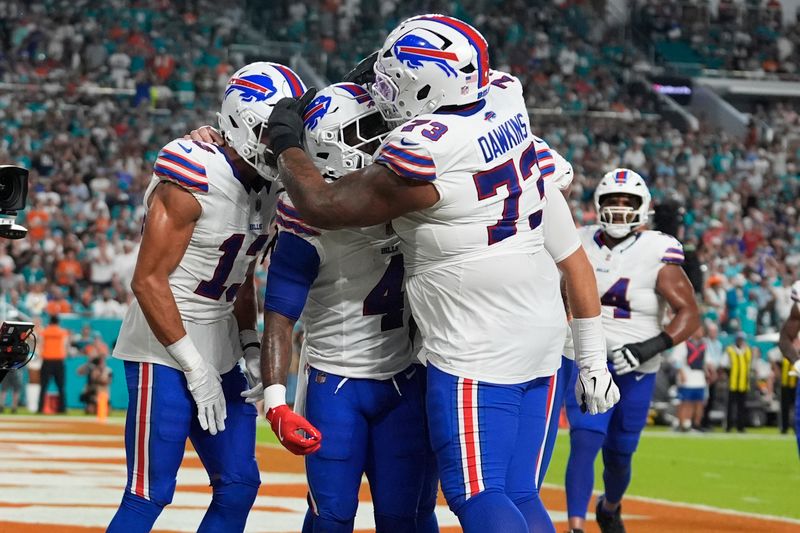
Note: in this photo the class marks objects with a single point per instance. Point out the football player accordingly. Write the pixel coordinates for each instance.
(638, 275)
(461, 177)
(363, 392)
(207, 215)
(788, 337)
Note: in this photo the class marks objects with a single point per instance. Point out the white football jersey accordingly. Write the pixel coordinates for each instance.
(230, 234)
(356, 316)
(796, 293)
(626, 275)
(480, 290)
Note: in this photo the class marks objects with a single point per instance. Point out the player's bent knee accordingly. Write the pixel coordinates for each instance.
(235, 495)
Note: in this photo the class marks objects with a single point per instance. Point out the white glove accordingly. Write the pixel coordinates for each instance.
(795, 371)
(203, 382)
(624, 360)
(252, 365)
(596, 391)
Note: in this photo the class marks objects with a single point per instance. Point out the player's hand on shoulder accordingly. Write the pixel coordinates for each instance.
(596, 391)
(294, 432)
(206, 134)
(205, 385)
(625, 359)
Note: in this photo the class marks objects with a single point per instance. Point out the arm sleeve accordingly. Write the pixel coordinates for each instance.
(293, 267)
(560, 235)
(796, 292)
(181, 163)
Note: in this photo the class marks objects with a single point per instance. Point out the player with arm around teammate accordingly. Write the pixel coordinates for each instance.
(363, 392)
(207, 215)
(460, 178)
(638, 274)
(788, 337)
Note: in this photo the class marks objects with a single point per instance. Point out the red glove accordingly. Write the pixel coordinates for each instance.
(295, 433)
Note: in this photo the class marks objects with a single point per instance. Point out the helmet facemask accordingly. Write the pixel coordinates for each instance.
(246, 140)
(352, 144)
(618, 221)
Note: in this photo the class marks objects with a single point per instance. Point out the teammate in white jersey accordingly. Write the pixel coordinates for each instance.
(208, 210)
(638, 275)
(788, 338)
(360, 388)
(462, 180)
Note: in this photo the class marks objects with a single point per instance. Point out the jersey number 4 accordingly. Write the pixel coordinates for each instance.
(215, 287)
(387, 298)
(488, 184)
(617, 297)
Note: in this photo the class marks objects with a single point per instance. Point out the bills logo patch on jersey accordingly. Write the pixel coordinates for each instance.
(414, 51)
(315, 111)
(254, 88)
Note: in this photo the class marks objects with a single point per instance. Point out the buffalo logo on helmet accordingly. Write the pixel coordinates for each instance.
(315, 111)
(253, 87)
(413, 51)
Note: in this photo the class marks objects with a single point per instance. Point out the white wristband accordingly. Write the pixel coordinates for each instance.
(590, 343)
(186, 354)
(274, 395)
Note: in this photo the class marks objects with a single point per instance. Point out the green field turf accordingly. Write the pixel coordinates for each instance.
(758, 472)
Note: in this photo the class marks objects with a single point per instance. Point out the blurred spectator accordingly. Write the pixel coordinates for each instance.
(54, 340)
(714, 355)
(692, 383)
(107, 307)
(57, 303)
(738, 365)
(68, 270)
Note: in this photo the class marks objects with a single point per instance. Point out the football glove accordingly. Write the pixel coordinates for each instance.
(629, 357)
(252, 365)
(294, 432)
(285, 124)
(596, 391)
(203, 382)
(364, 72)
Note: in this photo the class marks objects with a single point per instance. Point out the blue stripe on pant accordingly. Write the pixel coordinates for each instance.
(487, 439)
(616, 432)
(161, 416)
(368, 426)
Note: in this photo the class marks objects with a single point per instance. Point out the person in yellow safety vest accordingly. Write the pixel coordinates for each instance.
(737, 362)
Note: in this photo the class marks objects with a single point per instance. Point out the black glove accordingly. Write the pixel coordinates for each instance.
(629, 357)
(285, 124)
(363, 73)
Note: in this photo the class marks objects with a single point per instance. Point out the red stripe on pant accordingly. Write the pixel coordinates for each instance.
(469, 412)
(141, 444)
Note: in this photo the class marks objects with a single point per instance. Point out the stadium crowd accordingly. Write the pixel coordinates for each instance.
(96, 88)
